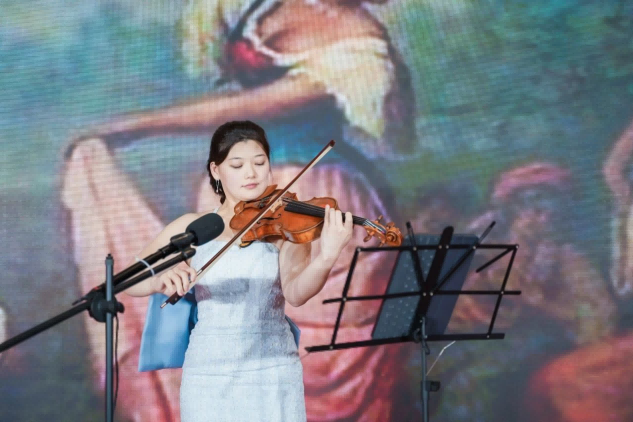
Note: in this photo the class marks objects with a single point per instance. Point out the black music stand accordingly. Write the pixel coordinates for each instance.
(424, 286)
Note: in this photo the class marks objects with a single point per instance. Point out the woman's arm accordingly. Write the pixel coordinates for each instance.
(150, 286)
(282, 97)
(302, 279)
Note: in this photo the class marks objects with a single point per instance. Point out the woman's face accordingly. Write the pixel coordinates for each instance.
(245, 174)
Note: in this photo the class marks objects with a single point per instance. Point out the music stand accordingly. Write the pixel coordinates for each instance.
(416, 306)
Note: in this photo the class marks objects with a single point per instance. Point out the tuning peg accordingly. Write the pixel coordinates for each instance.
(366, 239)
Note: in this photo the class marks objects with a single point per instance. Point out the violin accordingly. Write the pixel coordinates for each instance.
(299, 221)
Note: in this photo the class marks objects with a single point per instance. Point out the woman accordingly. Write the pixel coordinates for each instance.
(242, 362)
(107, 212)
(311, 71)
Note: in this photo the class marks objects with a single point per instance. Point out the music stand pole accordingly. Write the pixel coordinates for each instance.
(419, 335)
(424, 349)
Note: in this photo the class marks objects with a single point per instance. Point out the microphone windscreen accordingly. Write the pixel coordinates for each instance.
(206, 228)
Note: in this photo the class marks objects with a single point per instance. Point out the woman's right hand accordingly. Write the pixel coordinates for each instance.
(175, 280)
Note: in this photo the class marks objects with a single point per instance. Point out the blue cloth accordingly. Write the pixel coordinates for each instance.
(166, 332)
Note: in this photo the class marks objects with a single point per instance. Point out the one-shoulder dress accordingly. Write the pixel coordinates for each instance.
(242, 362)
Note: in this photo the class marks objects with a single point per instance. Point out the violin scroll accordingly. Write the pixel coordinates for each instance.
(388, 233)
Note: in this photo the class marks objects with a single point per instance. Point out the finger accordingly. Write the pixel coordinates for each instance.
(175, 282)
(180, 280)
(184, 279)
(338, 219)
(348, 221)
(192, 274)
(332, 217)
(190, 278)
(326, 217)
(182, 273)
(169, 286)
(185, 284)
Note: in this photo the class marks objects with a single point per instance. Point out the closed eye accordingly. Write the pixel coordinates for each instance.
(257, 164)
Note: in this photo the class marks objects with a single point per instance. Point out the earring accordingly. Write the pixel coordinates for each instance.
(217, 186)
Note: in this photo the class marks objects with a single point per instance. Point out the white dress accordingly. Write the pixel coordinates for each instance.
(242, 362)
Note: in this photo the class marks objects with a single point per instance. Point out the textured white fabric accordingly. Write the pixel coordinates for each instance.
(242, 363)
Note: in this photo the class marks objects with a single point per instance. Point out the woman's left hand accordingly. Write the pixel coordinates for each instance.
(335, 234)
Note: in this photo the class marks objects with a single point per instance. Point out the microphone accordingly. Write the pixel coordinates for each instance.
(199, 232)
(206, 228)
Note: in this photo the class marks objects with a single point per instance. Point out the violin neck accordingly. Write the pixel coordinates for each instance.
(316, 211)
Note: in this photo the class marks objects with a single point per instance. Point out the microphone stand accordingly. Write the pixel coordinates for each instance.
(111, 307)
(101, 308)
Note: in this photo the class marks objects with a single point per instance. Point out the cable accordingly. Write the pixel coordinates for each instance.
(438, 356)
(146, 264)
(116, 362)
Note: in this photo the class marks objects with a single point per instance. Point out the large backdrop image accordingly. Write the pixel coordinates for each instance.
(444, 113)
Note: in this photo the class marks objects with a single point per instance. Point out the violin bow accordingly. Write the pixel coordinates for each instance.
(176, 297)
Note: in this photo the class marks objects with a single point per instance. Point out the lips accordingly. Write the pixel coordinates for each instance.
(251, 186)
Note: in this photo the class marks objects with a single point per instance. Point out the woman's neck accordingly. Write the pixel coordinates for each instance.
(227, 208)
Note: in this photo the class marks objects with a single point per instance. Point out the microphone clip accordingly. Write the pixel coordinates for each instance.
(99, 306)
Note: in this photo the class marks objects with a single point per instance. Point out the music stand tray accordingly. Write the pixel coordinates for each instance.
(424, 286)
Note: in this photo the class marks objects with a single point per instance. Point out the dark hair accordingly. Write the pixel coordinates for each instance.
(227, 135)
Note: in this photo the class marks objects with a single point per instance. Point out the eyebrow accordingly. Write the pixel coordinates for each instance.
(240, 158)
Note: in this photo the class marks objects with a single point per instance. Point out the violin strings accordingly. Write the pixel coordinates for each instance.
(317, 211)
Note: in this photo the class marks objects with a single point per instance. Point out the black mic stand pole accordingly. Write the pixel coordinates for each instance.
(112, 306)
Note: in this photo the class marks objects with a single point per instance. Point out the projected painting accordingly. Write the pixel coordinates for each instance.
(444, 113)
